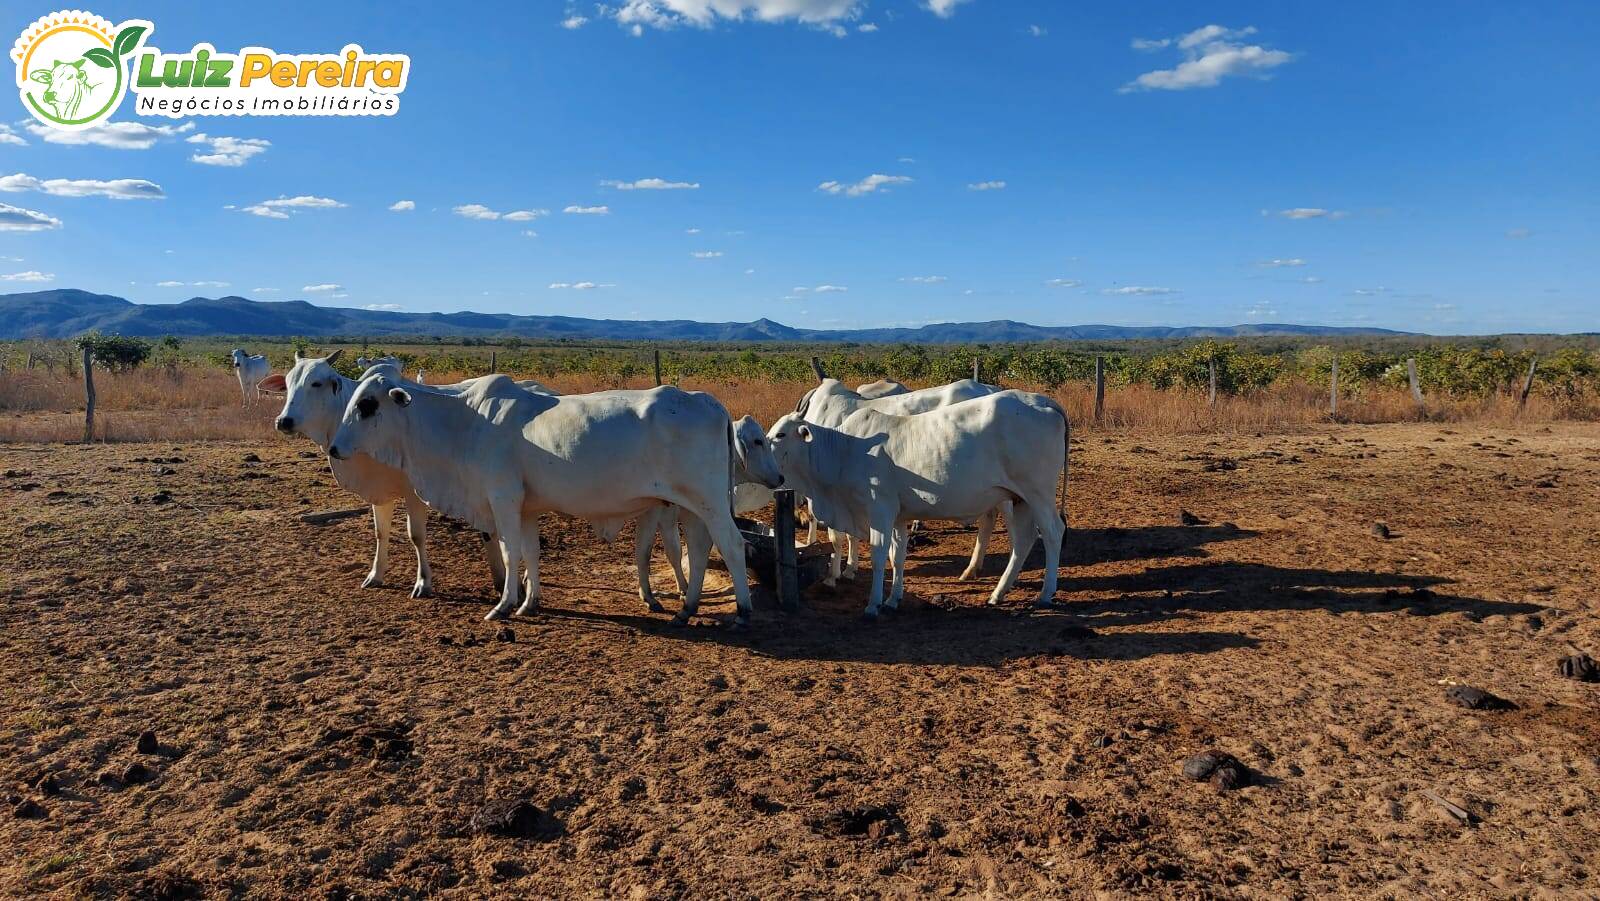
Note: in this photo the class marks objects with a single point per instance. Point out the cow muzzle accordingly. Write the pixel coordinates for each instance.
(334, 452)
(285, 424)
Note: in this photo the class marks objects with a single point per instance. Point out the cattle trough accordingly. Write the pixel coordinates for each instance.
(761, 555)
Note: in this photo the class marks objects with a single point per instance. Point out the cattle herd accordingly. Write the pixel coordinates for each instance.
(495, 453)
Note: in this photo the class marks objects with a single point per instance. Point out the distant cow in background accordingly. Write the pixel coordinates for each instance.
(365, 363)
(250, 370)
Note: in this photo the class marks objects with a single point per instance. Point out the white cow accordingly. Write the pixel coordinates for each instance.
(250, 370)
(754, 470)
(878, 472)
(365, 363)
(831, 403)
(496, 454)
(881, 388)
(315, 398)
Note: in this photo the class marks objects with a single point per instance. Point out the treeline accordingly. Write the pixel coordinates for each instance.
(1566, 369)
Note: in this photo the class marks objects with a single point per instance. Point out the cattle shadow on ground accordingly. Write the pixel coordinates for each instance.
(923, 635)
(1086, 547)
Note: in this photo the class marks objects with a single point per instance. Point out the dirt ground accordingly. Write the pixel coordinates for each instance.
(320, 740)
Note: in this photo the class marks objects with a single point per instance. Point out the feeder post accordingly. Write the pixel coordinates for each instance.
(783, 536)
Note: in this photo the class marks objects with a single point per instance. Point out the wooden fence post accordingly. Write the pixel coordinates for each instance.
(658, 367)
(1099, 389)
(1333, 390)
(975, 369)
(88, 394)
(1416, 384)
(1211, 364)
(816, 367)
(783, 535)
(30, 361)
(494, 358)
(1527, 385)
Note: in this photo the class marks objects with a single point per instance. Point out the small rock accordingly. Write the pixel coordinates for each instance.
(160, 497)
(717, 683)
(251, 458)
(1185, 518)
(633, 788)
(108, 778)
(136, 773)
(1379, 530)
(1580, 667)
(1476, 698)
(1202, 765)
(148, 743)
(505, 634)
(29, 809)
(515, 819)
(166, 471)
(1230, 776)
(47, 784)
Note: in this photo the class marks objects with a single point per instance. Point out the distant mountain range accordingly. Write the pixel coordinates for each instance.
(67, 312)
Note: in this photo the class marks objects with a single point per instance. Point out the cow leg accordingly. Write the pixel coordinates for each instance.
(417, 531)
(382, 520)
(699, 552)
(851, 563)
(530, 558)
(672, 546)
(497, 563)
(901, 538)
(508, 532)
(1051, 526)
(1023, 534)
(730, 545)
(644, 539)
(980, 547)
(880, 555)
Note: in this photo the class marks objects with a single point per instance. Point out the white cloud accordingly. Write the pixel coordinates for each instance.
(207, 284)
(749, 272)
(924, 279)
(1151, 44)
(867, 27)
(281, 207)
(579, 286)
(263, 290)
(574, 22)
(1518, 234)
(987, 186)
(944, 9)
(691, 231)
(637, 15)
(705, 254)
(1211, 54)
(403, 206)
(652, 184)
(1371, 292)
(322, 289)
(1260, 309)
(7, 136)
(588, 210)
(867, 185)
(1063, 283)
(17, 219)
(116, 189)
(32, 275)
(529, 233)
(1138, 290)
(227, 151)
(116, 135)
(479, 211)
(1038, 31)
(263, 211)
(1311, 212)
(169, 284)
(385, 307)
(829, 289)
(1278, 264)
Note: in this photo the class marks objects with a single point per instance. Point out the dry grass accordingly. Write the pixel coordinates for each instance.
(185, 404)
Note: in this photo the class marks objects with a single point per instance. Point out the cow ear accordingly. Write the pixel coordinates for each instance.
(805, 433)
(274, 384)
(333, 357)
(40, 75)
(400, 397)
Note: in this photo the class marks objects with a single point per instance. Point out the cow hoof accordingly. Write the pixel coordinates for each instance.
(655, 606)
(494, 614)
(871, 616)
(682, 619)
(967, 576)
(528, 609)
(739, 624)
(373, 581)
(849, 573)
(422, 591)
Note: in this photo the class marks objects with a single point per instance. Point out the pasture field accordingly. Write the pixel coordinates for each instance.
(320, 740)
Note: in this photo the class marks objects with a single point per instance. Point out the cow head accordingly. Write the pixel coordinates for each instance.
(314, 398)
(371, 420)
(238, 356)
(809, 456)
(66, 86)
(754, 453)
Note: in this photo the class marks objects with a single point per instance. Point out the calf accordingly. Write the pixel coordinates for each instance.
(877, 472)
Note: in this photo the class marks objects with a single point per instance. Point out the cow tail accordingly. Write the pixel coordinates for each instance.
(1066, 454)
(733, 460)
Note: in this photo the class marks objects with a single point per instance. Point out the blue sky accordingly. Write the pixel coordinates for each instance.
(1417, 166)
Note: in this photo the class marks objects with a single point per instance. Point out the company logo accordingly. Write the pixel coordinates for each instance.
(73, 69)
(72, 66)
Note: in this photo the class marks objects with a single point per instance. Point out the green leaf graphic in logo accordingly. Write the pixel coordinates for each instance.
(75, 85)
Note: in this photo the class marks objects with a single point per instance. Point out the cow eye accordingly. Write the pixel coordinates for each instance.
(316, 384)
(756, 442)
(367, 406)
